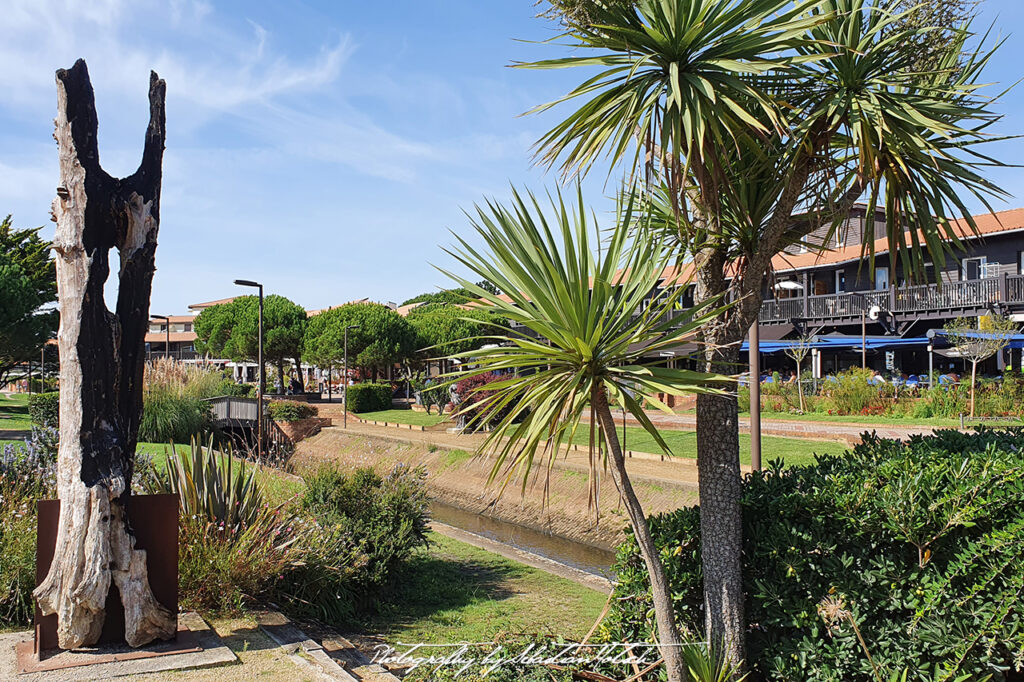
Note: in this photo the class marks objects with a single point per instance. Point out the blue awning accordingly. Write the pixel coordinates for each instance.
(844, 343)
(939, 336)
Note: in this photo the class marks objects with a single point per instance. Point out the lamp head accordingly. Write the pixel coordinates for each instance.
(247, 283)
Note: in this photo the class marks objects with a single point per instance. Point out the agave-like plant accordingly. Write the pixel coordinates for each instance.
(213, 486)
(585, 328)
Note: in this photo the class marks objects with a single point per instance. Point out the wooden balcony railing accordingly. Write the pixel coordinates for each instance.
(951, 296)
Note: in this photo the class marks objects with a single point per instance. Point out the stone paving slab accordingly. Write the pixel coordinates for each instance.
(212, 652)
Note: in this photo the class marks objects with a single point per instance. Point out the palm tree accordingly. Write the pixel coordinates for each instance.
(583, 326)
(760, 121)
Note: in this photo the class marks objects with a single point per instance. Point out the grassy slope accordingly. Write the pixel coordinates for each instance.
(454, 592)
(684, 444)
(14, 412)
(403, 417)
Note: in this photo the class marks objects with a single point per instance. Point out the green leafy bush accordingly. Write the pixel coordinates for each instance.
(235, 390)
(431, 393)
(44, 408)
(366, 526)
(912, 541)
(369, 397)
(290, 410)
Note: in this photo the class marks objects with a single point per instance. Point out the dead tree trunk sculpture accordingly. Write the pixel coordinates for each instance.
(101, 366)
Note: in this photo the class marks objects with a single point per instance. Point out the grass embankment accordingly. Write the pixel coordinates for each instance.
(403, 417)
(454, 592)
(792, 451)
(14, 412)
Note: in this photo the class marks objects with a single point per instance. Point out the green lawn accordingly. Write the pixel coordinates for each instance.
(404, 417)
(454, 592)
(684, 444)
(873, 420)
(881, 420)
(14, 412)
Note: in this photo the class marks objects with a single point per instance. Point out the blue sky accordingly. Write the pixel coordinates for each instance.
(324, 148)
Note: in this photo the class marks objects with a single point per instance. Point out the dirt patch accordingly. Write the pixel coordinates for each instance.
(558, 501)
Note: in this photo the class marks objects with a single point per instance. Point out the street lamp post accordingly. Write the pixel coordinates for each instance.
(167, 330)
(259, 362)
(344, 378)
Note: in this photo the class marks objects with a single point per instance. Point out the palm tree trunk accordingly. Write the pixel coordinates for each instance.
(721, 521)
(664, 612)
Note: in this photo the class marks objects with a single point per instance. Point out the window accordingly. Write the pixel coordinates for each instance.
(1020, 262)
(881, 278)
(840, 281)
(929, 273)
(973, 268)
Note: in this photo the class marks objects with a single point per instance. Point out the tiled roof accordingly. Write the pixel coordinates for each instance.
(208, 304)
(987, 224)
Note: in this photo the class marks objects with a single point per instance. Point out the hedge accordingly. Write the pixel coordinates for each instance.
(43, 409)
(369, 397)
(290, 410)
(917, 543)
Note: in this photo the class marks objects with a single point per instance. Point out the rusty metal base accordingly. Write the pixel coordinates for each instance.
(154, 520)
(186, 642)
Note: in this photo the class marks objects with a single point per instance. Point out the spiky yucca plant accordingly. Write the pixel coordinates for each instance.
(587, 334)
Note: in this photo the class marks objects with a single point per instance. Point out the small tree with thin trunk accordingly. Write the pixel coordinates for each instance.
(797, 351)
(584, 347)
(102, 354)
(978, 339)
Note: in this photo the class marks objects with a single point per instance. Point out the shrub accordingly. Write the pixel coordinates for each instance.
(230, 388)
(910, 541)
(472, 391)
(290, 410)
(369, 397)
(44, 409)
(368, 525)
(430, 393)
